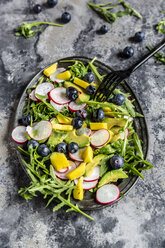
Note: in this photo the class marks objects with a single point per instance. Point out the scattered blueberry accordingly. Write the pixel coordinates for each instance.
(104, 29)
(116, 162)
(91, 89)
(77, 122)
(82, 113)
(73, 147)
(89, 77)
(66, 17)
(98, 114)
(37, 8)
(139, 36)
(118, 99)
(61, 147)
(34, 143)
(128, 52)
(72, 93)
(26, 120)
(52, 3)
(43, 150)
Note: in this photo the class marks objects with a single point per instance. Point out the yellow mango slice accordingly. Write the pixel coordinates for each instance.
(80, 82)
(76, 173)
(59, 160)
(50, 70)
(106, 109)
(88, 155)
(64, 75)
(62, 127)
(64, 120)
(96, 85)
(78, 192)
(98, 125)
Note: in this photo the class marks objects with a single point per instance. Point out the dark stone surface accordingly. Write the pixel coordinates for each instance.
(138, 220)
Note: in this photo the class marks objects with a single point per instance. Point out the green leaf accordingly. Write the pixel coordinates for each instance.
(130, 107)
(58, 206)
(160, 57)
(137, 144)
(104, 166)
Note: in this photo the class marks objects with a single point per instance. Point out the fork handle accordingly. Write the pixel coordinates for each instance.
(146, 57)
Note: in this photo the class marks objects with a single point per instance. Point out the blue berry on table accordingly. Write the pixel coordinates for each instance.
(66, 17)
(139, 36)
(37, 8)
(52, 3)
(104, 29)
(128, 52)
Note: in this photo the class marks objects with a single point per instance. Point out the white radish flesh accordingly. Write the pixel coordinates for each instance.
(75, 107)
(107, 194)
(122, 134)
(58, 95)
(40, 130)
(94, 176)
(32, 96)
(18, 134)
(87, 185)
(100, 138)
(77, 156)
(54, 78)
(58, 107)
(43, 89)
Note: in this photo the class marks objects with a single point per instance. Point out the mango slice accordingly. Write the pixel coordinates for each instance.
(64, 75)
(50, 70)
(64, 120)
(98, 125)
(80, 82)
(62, 127)
(59, 160)
(78, 192)
(88, 155)
(76, 173)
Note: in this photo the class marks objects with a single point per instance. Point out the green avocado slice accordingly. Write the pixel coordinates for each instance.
(115, 122)
(90, 166)
(56, 138)
(82, 140)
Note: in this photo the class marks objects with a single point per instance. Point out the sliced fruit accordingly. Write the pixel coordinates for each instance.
(50, 70)
(78, 193)
(76, 173)
(55, 138)
(109, 114)
(87, 185)
(80, 82)
(54, 78)
(43, 90)
(96, 85)
(58, 107)
(62, 127)
(40, 130)
(83, 130)
(82, 140)
(18, 134)
(71, 167)
(64, 120)
(75, 107)
(59, 160)
(62, 171)
(106, 109)
(64, 75)
(98, 125)
(32, 96)
(77, 156)
(122, 134)
(90, 166)
(94, 176)
(100, 138)
(107, 194)
(114, 122)
(115, 137)
(58, 95)
(88, 155)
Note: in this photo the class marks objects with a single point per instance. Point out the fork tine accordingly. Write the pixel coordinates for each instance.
(115, 84)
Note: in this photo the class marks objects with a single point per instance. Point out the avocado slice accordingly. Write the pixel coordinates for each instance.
(55, 138)
(90, 166)
(112, 176)
(82, 140)
(115, 122)
(83, 97)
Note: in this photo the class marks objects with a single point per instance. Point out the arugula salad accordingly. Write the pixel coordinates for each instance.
(73, 144)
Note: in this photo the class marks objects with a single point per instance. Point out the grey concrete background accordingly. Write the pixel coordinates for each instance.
(137, 221)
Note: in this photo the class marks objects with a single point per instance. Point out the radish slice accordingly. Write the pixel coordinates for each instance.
(32, 96)
(43, 89)
(54, 78)
(107, 194)
(127, 117)
(100, 137)
(58, 95)
(77, 163)
(40, 130)
(63, 170)
(75, 107)
(77, 156)
(83, 130)
(62, 176)
(18, 134)
(94, 176)
(58, 106)
(122, 134)
(87, 185)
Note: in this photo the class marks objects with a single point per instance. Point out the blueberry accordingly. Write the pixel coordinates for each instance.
(61, 147)
(118, 99)
(37, 8)
(91, 89)
(104, 29)
(72, 93)
(139, 36)
(89, 77)
(82, 114)
(128, 52)
(77, 122)
(98, 114)
(34, 143)
(52, 3)
(26, 120)
(66, 17)
(43, 150)
(73, 147)
(116, 162)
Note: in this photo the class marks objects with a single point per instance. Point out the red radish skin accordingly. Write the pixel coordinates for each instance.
(54, 78)
(77, 155)
(44, 128)
(62, 176)
(73, 107)
(122, 134)
(18, 134)
(58, 106)
(100, 138)
(107, 194)
(43, 90)
(87, 185)
(94, 176)
(58, 95)
(32, 96)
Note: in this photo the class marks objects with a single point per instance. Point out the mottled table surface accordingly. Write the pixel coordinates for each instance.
(138, 220)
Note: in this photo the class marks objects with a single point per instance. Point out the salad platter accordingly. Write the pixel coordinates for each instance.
(133, 133)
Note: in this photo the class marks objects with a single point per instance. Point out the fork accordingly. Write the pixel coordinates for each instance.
(114, 78)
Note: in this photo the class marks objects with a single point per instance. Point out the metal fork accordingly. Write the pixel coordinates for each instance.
(114, 78)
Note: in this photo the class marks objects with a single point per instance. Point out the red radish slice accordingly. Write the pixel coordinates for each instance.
(63, 170)
(54, 78)
(87, 185)
(100, 137)
(122, 134)
(107, 194)
(40, 130)
(18, 134)
(77, 156)
(58, 106)
(94, 176)
(75, 107)
(32, 96)
(83, 130)
(77, 163)
(62, 176)
(43, 89)
(58, 95)
(127, 117)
